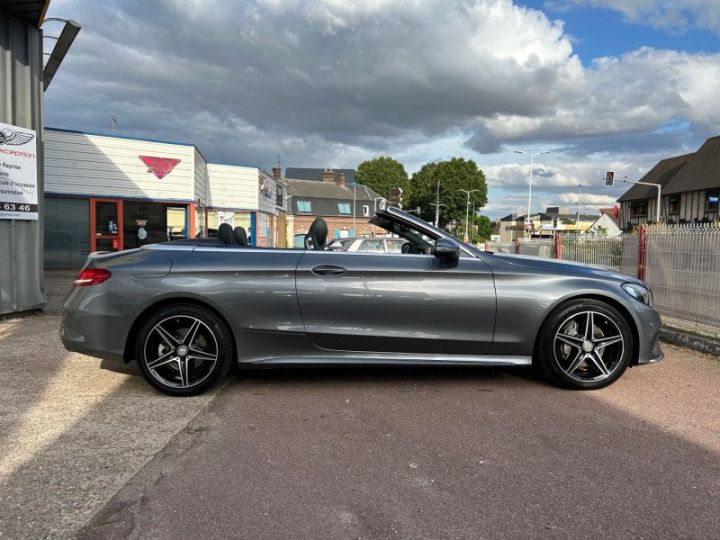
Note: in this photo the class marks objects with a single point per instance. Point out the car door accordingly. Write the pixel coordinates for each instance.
(394, 302)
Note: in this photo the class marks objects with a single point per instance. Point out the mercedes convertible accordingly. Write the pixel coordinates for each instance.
(187, 311)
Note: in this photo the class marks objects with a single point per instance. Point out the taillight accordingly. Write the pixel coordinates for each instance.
(92, 276)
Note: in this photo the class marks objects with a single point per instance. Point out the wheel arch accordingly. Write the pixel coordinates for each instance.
(129, 350)
(624, 312)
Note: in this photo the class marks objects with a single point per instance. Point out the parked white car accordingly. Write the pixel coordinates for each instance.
(376, 244)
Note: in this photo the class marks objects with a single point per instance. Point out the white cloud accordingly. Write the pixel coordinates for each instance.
(333, 82)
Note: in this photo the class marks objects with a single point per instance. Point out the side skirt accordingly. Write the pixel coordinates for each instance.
(395, 359)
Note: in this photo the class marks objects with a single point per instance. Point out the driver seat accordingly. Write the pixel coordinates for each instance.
(316, 238)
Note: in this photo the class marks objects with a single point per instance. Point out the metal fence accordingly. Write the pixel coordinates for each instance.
(603, 252)
(682, 267)
(680, 263)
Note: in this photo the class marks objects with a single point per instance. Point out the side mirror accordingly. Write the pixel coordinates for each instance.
(446, 249)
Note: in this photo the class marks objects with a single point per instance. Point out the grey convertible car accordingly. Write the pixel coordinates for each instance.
(186, 311)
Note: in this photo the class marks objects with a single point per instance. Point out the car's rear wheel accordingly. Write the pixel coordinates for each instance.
(585, 344)
(183, 350)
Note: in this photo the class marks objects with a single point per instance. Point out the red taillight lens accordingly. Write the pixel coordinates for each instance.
(92, 276)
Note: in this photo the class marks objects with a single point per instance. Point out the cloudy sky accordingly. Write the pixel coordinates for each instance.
(600, 84)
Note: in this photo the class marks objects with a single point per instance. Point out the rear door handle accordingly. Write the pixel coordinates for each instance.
(328, 270)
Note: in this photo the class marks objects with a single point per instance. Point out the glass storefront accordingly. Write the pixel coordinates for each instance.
(150, 223)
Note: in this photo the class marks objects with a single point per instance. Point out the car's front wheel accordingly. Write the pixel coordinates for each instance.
(183, 350)
(586, 344)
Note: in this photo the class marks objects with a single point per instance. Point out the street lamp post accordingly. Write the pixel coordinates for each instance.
(532, 163)
(466, 238)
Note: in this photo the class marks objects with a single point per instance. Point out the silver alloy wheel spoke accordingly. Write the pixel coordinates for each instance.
(573, 341)
(190, 336)
(590, 325)
(166, 358)
(184, 369)
(579, 357)
(167, 336)
(598, 361)
(605, 342)
(202, 355)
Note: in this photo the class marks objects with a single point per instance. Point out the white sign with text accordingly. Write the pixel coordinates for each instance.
(18, 173)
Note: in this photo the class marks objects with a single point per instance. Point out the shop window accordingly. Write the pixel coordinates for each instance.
(304, 206)
(711, 201)
(366, 210)
(344, 208)
(674, 204)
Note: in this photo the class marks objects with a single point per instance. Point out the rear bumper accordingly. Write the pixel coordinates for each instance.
(93, 324)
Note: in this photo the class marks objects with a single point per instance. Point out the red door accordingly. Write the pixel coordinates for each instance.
(106, 225)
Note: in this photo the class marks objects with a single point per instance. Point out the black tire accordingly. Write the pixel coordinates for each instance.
(191, 370)
(564, 354)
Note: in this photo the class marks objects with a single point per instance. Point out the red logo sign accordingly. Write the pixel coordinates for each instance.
(159, 166)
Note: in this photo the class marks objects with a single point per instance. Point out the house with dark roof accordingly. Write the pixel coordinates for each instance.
(690, 189)
(316, 174)
(347, 208)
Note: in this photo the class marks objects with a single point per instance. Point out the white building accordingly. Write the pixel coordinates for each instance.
(108, 193)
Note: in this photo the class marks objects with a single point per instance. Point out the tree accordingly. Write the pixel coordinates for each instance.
(484, 229)
(382, 174)
(454, 174)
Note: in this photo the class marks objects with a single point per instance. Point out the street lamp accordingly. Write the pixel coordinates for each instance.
(532, 162)
(467, 210)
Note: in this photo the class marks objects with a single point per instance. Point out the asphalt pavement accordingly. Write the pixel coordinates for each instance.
(437, 453)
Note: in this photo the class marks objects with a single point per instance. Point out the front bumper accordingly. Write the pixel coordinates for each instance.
(648, 327)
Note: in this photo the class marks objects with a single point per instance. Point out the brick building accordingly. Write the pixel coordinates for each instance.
(327, 193)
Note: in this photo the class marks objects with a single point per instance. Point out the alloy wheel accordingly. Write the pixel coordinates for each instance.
(589, 346)
(181, 351)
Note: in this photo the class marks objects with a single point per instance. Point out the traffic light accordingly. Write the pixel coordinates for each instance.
(609, 178)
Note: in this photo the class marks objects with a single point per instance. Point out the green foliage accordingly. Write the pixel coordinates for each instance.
(454, 174)
(484, 229)
(382, 174)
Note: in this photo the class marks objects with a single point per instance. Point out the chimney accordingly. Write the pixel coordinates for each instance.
(341, 179)
(277, 173)
(328, 176)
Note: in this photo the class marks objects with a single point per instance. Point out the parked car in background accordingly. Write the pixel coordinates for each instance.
(375, 244)
(339, 244)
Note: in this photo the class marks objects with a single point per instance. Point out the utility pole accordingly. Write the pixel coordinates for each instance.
(577, 221)
(532, 164)
(437, 205)
(467, 210)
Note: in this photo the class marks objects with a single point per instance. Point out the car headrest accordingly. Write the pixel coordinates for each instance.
(226, 234)
(317, 235)
(241, 236)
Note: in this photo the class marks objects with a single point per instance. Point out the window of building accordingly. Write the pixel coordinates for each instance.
(304, 206)
(711, 201)
(344, 208)
(279, 196)
(674, 204)
(366, 210)
(639, 209)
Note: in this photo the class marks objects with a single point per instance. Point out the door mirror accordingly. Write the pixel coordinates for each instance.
(446, 249)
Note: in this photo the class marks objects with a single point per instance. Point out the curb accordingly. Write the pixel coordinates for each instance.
(687, 339)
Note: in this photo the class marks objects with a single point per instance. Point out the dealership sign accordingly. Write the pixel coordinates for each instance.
(159, 166)
(18, 173)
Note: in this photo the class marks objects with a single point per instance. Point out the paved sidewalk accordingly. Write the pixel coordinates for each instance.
(73, 429)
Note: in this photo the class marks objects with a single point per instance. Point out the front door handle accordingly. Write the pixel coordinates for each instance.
(328, 270)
